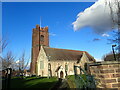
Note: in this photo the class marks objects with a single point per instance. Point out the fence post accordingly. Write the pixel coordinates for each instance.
(8, 72)
(9, 77)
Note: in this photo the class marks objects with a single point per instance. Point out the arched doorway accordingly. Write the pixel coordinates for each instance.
(61, 74)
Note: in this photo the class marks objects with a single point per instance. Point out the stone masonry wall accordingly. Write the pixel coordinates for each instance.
(107, 74)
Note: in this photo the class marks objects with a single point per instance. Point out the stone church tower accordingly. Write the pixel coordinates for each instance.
(40, 36)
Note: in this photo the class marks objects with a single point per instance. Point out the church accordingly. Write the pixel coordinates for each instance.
(48, 62)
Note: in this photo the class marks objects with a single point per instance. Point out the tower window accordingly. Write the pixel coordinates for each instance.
(41, 38)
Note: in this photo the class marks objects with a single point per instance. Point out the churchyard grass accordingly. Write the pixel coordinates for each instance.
(71, 81)
(33, 82)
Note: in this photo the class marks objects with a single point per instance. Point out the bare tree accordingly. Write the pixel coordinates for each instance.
(23, 63)
(113, 6)
(8, 60)
(115, 39)
(3, 44)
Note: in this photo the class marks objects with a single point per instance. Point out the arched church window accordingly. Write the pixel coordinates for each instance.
(66, 67)
(49, 66)
(41, 38)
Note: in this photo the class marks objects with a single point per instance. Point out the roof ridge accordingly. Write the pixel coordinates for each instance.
(65, 49)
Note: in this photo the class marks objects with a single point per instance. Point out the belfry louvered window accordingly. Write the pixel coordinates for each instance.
(41, 38)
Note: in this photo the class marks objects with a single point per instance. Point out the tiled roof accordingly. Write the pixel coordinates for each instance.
(65, 54)
(110, 57)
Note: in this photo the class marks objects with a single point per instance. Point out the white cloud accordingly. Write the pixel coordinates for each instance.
(105, 35)
(52, 34)
(98, 59)
(17, 61)
(28, 66)
(98, 16)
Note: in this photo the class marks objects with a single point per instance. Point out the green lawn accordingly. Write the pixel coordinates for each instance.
(71, 81)
(33, 82)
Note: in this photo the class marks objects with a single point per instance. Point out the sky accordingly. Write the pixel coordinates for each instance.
(48, 0)
(18, 20)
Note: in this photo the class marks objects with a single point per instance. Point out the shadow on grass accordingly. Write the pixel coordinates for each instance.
(45, 85)
(16, 82)
(35, 78)
(36, 83)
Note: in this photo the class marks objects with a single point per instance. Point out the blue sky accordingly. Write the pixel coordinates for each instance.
(18, 19)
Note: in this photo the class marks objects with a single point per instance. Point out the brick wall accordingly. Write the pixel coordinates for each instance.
(107, 74)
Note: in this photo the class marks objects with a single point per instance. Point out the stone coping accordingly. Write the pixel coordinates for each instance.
(104, 63)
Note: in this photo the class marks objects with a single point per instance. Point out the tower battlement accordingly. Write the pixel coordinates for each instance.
(41, 28)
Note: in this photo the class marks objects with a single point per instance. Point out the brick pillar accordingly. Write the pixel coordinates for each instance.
(107, 74)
